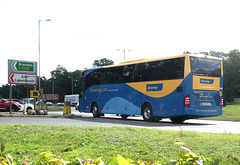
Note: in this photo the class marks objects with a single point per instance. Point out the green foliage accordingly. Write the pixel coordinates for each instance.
(189, 157)
(231, 68)
(233, 160)
(49, 158)
(2, 147)
(5, 159)
(62, 82)
(102, 62)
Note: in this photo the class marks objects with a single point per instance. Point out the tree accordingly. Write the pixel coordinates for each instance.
(64, 82)
(221, 55)
(231, 74)
(102, 62)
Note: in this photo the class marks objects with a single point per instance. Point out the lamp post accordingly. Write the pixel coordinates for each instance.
(72, 81)
(39, 47)
(124, 52)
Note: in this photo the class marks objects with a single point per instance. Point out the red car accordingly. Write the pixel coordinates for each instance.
(5, 105)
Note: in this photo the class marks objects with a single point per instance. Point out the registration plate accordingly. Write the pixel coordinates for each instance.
(206, 104)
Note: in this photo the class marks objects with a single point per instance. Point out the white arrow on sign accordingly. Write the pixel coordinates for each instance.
(14, 65)
(21, 78)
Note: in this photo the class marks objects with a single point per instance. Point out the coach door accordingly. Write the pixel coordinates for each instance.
(82, 95)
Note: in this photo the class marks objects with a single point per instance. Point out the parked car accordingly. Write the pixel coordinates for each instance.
(39, 103)
(49, 103)
(5, 105)
(60, 104)
(24, 105)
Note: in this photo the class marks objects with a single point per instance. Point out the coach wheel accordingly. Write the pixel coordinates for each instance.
(177, 120)
(124, 117)
(147, 112)
(95, 110)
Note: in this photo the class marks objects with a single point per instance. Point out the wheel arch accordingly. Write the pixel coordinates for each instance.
(146, 102)
(94, 102)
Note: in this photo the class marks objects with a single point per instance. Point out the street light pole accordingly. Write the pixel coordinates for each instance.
(123, 52)
(73, 80)
(72, 85)
(39, 49)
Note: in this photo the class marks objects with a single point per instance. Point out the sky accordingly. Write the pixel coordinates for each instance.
(81, 31)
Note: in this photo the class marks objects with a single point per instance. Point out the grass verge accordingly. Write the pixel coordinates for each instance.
(92, 142)
(230, 112)
(50, 108)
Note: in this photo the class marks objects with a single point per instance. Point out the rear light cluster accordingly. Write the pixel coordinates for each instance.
(186, 101)
(222, 102)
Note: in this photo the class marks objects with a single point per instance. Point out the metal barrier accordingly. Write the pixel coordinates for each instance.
(67, 108)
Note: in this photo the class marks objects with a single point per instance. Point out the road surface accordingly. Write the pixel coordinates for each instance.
(85, 119)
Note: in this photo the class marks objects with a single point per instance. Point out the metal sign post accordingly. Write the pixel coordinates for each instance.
(10, 97)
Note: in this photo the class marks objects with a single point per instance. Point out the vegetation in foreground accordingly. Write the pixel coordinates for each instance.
(49, 158)
(108, 142)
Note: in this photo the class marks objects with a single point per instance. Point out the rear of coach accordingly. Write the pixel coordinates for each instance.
(204, 94)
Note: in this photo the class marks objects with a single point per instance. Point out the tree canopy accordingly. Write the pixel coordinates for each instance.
(231, 73)
(102, 62)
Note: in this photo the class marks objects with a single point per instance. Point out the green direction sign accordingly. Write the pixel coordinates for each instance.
(22, 66)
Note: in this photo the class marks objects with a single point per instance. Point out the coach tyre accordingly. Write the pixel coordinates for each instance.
(95, 110)
(177, 120)
(124, 117)
(147, 112)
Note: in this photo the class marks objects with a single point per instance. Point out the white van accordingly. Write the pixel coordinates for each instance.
(74, 99)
